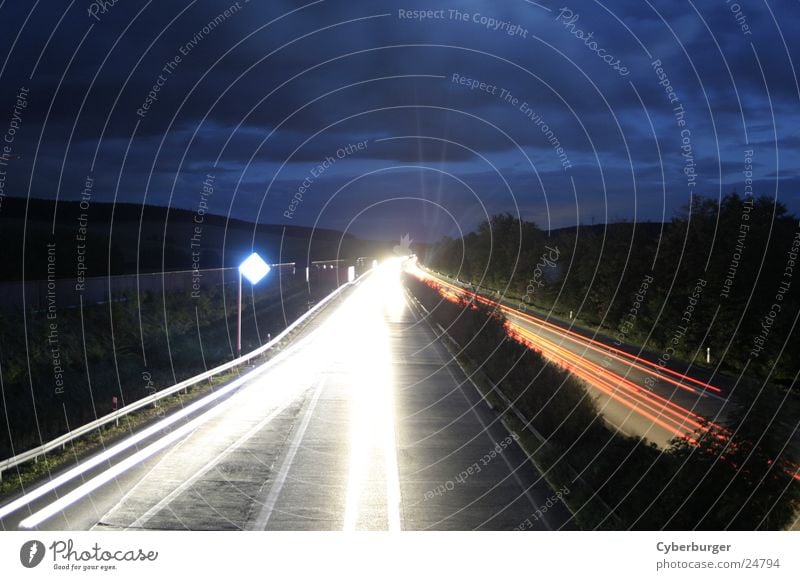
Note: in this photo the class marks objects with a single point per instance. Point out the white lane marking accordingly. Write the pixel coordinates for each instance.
(149, 514)
(511, 469)
(392, 473)
(111, 452)
(391, 469)
(513, 472)
(265, 513)
(135, 459)
(85, 489)
(372, 393)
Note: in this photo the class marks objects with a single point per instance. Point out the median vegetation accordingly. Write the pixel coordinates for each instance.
(743, 481)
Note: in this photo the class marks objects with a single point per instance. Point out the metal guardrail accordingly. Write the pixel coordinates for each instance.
(62, 440)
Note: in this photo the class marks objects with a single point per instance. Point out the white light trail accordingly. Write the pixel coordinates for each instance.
(136, 438)
(373, 420)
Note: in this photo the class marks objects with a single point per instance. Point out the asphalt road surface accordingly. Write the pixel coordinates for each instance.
(364, 423)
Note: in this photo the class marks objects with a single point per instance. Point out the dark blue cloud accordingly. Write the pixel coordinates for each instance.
(265, 92)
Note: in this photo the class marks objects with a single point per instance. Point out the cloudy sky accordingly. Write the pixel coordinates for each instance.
(390, 117)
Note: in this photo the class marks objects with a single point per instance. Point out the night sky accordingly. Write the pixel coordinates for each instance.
(386, 118)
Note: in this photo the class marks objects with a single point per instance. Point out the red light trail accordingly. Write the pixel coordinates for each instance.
(657, 409)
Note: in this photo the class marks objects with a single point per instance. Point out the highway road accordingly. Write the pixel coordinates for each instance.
(633, 394)
(363, 423)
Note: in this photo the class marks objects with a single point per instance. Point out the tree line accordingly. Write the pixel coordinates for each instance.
(722, 275)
